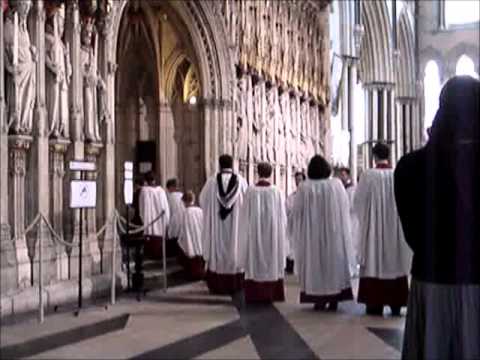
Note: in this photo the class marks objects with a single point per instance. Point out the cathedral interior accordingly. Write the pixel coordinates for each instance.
(170, 85)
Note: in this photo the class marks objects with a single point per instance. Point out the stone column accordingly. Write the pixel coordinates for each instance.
(76, 149)
(92, 154)
(352, 160)
(108, 67)
(19, 146)
(58, 148)
(8, 261)
(39, 161)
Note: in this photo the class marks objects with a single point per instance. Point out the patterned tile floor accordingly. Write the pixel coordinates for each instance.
(187, 322)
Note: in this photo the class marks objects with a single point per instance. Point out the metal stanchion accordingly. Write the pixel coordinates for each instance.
(114, 252)
(40, 275)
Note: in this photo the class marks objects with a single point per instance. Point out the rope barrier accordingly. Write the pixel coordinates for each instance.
(139, 229)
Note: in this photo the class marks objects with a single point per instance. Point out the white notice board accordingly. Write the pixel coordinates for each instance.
(128, 191)
(83, 194)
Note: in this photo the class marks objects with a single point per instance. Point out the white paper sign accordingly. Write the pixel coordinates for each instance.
(128, 191)
(83, 194)
(128, 175)
(128, 165)
(82, 166)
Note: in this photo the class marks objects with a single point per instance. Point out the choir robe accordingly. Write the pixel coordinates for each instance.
(190, 242)
(353, 245)
(176, 213)
(152, 203)
(322, 232)
(264, 243)
(384, 256)
(291, 240)
(220, 239)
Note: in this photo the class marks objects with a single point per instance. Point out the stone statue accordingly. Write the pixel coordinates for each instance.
(20, 57)
(59, 72)
(271, 116)
(91, 81)
(257, 124)
(241, 117)
(142, 120)
(283, 120)
(294, 130)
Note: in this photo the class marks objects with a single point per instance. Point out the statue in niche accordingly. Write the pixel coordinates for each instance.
(313, 128)
(304, 132)
(58, 75)
(20, 57)
(272, 112)
(281, 128)
(293, 130)
(241, 117)
(92, 81)
(257, 124)
(143, 128)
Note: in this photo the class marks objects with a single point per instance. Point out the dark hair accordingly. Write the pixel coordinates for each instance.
(345, 169)
(300, 173)
(188, 197)
(225, 161)
(172, 183)
(264, 170)
(150, 178)
(318, 168)
(381, 151)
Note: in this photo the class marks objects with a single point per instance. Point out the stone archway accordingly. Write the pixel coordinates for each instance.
(213, 64)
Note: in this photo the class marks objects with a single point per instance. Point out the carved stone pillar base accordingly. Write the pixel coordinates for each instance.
(19, 147)
(92, 153)
(58, 148)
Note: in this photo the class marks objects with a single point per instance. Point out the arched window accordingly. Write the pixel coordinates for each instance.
(432, 87)
(465, 66)
(461, 12)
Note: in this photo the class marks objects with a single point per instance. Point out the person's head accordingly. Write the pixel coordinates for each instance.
(457, 116)
(225, 161)
(318, 168)
(172, 185)
(264, 170)
(150, 179)
(344, 175)
(381, 152)
(188, 198)
(139, 182)
(299, 178)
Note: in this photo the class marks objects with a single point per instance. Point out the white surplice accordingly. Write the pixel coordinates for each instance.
(177, 208)
(190, 237)
(322, 231)
(382, 251)
(290, 235)
(220, 237)
(263, 234)
(353, 246)
(152, 203)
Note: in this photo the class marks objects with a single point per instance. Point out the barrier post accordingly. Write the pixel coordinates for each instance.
(114, 251)
(40, 275)
(164, 260)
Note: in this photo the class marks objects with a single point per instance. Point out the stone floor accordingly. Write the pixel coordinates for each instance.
(187, 322)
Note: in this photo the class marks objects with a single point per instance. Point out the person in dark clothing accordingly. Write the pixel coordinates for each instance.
(438, 201)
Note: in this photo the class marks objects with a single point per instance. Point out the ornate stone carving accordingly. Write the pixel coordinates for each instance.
(93, 108)
(58, 75)
(20, 57)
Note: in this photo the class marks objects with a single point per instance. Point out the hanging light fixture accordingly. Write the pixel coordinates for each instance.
(358, 30)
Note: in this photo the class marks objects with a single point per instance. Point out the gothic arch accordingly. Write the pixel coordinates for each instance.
(376, 62)
(455, 53)
(209, 42)
(405, 76)
(430, 53)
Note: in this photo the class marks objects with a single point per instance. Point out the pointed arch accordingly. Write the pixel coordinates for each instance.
(405, 76)
(376, 47)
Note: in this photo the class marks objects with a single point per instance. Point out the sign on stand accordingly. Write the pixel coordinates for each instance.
(83, 195)
(128, 182)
